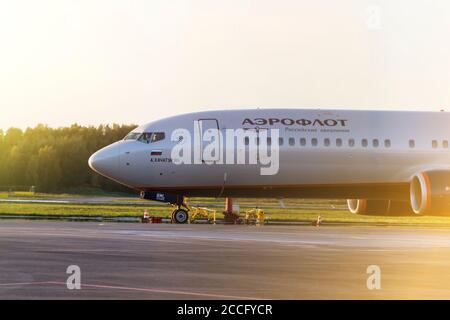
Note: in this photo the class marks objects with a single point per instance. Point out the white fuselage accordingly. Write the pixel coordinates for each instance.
(324, 153)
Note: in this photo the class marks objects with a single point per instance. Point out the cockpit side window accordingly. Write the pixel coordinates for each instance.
(150, 137)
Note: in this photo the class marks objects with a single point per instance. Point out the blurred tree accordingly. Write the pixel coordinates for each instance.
(48, 170)
(2, 157)
(13, 137)
(54, 159)
(16, 164)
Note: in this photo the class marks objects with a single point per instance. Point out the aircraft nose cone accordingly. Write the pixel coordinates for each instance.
(106, 161)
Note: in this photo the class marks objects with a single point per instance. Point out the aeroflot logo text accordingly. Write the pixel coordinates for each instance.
(212, 146)
(299, 122)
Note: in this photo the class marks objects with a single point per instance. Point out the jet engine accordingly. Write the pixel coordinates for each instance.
(430, 192)
(371, 207)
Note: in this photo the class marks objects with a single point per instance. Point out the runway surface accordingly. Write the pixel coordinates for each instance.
(163, 261)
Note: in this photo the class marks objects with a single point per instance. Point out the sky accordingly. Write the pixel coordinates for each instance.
(96, 62)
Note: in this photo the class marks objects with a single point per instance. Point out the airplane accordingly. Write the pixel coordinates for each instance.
(382, 162)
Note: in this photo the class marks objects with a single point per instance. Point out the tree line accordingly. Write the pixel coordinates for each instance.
(55, 159)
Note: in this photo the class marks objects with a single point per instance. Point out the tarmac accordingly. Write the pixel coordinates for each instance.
(198, 261)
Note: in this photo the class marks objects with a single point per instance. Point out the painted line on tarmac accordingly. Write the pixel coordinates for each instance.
(98, 286)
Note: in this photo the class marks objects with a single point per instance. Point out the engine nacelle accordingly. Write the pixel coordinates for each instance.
(368, 207)
(371, 207)
(430, 192)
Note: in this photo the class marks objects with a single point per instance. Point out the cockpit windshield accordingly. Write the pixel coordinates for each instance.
(150, 137)
(133, 136)
(146, 137)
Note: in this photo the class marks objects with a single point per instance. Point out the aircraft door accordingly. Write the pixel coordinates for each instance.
(209, 127)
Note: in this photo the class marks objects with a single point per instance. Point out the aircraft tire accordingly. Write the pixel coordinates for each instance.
(180, 216)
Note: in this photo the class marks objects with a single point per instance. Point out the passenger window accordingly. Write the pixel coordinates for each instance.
(326, 142)
(351, 143)
(445, 144)
(434, 144)
(375, 143)
(314, 142)
(291, 141)
(364, 143)
(387, 143)
(338, 142)
(412, 143)
(302, 142)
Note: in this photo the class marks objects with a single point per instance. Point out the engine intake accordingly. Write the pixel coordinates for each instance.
(430, 192)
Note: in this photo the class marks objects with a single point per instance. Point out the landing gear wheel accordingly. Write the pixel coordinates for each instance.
(180, 216)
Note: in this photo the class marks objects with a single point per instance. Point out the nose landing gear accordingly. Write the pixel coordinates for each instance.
(180, 215)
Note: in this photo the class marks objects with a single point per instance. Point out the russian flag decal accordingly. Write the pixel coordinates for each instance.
(156, 153)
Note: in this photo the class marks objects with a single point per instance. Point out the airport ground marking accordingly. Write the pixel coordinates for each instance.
(149, 290)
